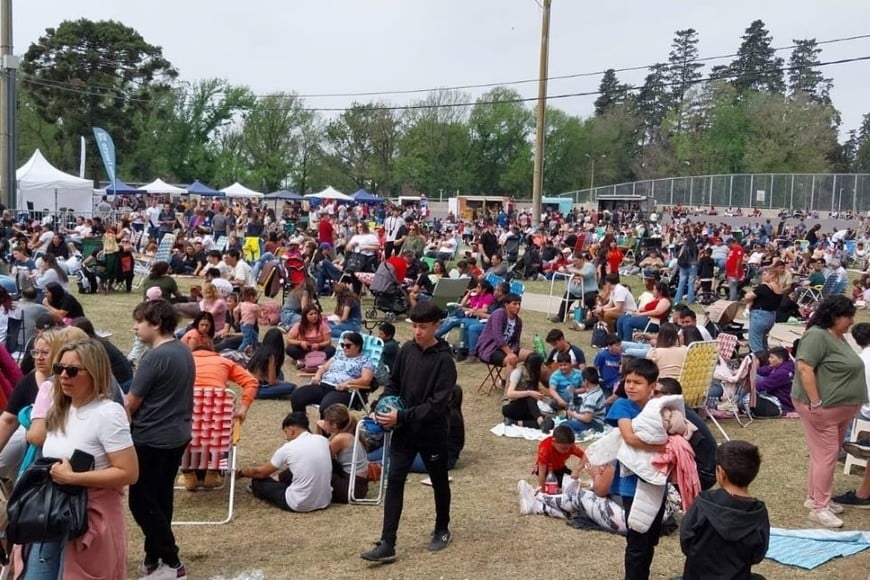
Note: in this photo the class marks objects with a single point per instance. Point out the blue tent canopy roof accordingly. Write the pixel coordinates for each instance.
(199, 188)
(284, 194)
(121, 187)
(363, 196)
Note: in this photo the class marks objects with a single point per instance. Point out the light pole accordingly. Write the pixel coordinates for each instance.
(7, 108)
(538, 175)
(591, 159)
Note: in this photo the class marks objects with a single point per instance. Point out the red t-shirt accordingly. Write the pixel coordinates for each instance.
(547, 454)
(325, 232)
(614, 258)
(734, 262)
(400, 266)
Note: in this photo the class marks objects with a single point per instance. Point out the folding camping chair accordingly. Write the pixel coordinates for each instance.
(214, 443)
(142, 265)
(449, 290)
(382, 482)
(373, 349)
(857, 426)
(697, 375)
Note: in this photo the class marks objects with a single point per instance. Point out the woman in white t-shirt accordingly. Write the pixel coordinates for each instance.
(83, 417)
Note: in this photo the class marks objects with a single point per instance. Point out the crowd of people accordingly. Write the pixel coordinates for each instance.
(230, 250)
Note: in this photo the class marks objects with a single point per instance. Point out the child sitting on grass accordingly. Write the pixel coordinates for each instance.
(553, 454)
(589, 414)
(565, 382)
(727, 530)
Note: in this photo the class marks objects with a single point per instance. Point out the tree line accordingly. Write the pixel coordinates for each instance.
(759, 114)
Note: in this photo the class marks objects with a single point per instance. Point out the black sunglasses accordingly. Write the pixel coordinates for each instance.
(72, 371)
(346, 344)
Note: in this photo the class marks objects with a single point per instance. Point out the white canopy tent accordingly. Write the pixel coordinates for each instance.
(239, 190)
(160, 186)
(331, 193)
(47, 187)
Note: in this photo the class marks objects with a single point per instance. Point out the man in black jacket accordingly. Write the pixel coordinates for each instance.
(423, 376)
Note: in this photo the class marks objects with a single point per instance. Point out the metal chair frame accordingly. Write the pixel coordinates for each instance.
(382, 483)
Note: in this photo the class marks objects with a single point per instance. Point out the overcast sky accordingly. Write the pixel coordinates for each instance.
(340, 46)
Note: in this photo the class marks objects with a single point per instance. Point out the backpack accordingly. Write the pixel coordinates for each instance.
(270, 313)
(599, 335)
(273, 281)
(313, 360)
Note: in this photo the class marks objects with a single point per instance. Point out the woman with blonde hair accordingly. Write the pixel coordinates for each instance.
(84, 418)
(340, 426)
(213, 302)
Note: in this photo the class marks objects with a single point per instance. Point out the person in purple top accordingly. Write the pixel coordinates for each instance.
(774, 382)
(499, 344)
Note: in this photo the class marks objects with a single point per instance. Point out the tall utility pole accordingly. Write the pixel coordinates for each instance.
(7, 108)
(538, 177)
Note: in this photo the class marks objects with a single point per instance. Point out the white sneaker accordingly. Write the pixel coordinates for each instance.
(529, 504)
(164, 572)
(146, 571)
(825, 518)
(834, 507)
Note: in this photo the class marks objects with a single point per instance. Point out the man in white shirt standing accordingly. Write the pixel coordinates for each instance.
(394, 227)
(305, 465)
(153, 216)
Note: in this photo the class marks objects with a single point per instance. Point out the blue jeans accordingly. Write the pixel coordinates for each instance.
(449, 324)
(635, 349)
(627, 323)
(687, 278)
(277, 391)
(336, 328)
(760, 323)
(579, 426)
(249, 337)
(44, 561)
(289, 317)
(326, 272)
(473, 330)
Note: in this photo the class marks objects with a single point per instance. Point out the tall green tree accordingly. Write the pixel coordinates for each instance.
(202, 110)
(610, 92)
(683, 69)
(501, 152)
(568, 141)
(804, 77)
(654, 101)
(756, 66)
(34, 132)
(862, 153)
(362, 142)
(84, 74)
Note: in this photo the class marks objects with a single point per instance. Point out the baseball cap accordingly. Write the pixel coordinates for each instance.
(43, 321)
(566, 250)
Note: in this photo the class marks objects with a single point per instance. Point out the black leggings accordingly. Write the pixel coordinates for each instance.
(525, 409)
(296, 353)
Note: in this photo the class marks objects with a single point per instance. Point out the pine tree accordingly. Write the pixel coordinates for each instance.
(757, 67)
(862, 153)
(610, 92)
(803, 74)
(683, 67)
(654, 101)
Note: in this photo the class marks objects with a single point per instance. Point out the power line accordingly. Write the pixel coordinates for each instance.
(467, 86)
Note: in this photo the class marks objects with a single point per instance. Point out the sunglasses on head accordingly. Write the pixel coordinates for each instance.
(71, 370)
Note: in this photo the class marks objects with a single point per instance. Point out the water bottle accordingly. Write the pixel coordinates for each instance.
(538, 343)
(551, 485)
(578, 314)
(461, 336)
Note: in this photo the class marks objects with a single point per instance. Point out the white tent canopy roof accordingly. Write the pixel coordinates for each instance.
(239, 190)
(47, 187)
(330, 193)
(160, 186)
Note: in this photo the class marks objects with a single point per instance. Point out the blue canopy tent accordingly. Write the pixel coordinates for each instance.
(199, 188)
(362, 196)
(284, 195)
(119, 187)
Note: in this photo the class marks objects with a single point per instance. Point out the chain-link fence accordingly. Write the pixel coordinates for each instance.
(823, 192)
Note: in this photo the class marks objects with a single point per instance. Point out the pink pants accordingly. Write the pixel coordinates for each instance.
(824, 430)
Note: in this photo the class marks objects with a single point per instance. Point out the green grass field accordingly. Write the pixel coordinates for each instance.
(491, 539)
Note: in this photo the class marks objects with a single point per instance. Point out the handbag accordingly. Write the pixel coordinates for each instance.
(356, 262)
(313, 360)
(40, 510)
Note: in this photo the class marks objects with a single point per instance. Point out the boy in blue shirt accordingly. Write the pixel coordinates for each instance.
(565, 382)
(608, 361)
(640, 379)
(589, 414)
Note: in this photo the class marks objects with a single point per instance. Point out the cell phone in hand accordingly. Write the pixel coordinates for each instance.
(81, 461)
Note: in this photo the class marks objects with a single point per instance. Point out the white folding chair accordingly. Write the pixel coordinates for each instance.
(385, 466)
(857, 426)
(214, 442)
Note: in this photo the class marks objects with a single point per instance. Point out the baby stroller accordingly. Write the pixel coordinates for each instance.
(390, 298)
(720, 319)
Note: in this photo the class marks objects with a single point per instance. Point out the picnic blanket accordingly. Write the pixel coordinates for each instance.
(810, 549)
(529, 434)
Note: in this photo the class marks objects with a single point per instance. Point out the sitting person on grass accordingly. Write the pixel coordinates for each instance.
(565, 383)
(304, 469)
(387, 333)
(267, 365)
(589, 414)
(340, 426)
(556, 339)
(523, 394)
(310, 334)
(727, 530)
(608, 362)
(553, 455)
